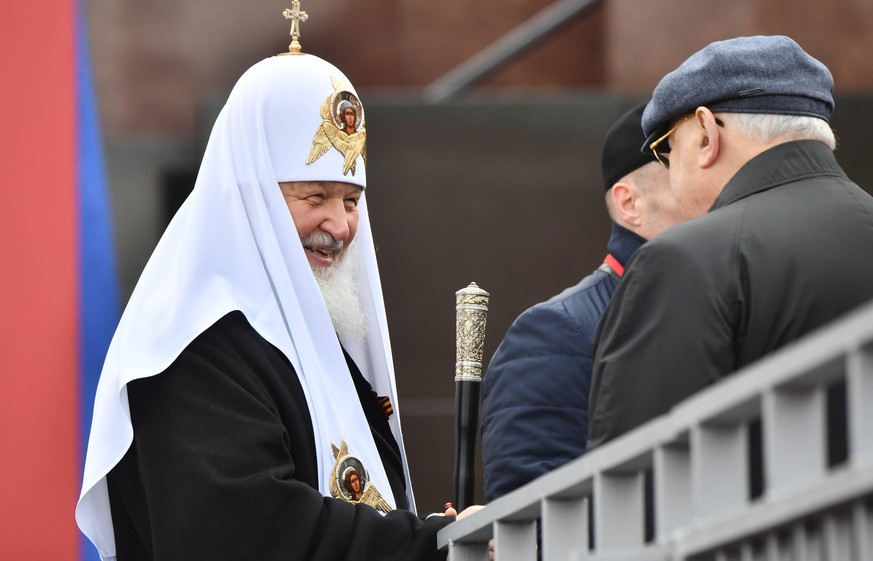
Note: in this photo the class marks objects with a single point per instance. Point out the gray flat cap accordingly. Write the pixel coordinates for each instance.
(761, 74)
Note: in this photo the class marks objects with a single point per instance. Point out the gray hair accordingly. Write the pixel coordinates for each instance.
(764, 127)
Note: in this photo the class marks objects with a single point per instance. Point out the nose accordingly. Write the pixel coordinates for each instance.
(336, 221)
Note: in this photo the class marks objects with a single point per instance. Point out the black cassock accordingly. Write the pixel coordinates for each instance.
(223, 466)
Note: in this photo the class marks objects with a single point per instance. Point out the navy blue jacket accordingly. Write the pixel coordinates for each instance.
(535, 391)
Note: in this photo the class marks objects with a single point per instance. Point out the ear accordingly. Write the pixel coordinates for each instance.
(710, 137)
(625, 199)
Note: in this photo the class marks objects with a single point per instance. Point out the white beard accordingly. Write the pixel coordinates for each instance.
(342, 297)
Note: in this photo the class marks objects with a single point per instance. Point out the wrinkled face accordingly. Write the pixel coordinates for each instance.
(319, 208)
(693, 186)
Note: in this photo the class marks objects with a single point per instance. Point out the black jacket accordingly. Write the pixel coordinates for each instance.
(786, 247)
(223, 466)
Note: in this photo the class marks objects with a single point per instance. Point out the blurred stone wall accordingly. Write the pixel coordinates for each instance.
(154, 61)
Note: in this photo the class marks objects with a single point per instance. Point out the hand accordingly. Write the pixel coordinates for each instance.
(467, 511)
(451, 511)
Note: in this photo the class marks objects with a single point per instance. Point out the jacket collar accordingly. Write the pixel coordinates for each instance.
(779, 165)
(623, 243)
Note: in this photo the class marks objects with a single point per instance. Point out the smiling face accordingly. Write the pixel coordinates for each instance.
(326, 216)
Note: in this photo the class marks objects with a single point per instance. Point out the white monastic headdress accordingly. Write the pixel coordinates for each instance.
(233, 246)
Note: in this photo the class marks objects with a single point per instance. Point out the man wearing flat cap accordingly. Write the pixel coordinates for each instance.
(780, 241)
(535, 393)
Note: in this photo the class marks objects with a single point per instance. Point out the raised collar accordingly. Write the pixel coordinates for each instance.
(784, 163)
(623, 243)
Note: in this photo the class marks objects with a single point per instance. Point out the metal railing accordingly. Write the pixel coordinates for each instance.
(700, 460)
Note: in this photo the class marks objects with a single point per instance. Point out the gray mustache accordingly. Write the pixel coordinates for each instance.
(322, 241)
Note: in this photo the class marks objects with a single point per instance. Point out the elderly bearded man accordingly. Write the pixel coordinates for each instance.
(780, 241)
(237, 392)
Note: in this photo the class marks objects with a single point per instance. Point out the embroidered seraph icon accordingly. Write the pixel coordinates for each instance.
(342, 127)
(350, 481)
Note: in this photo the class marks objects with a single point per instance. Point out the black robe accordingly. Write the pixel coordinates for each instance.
(223, 466)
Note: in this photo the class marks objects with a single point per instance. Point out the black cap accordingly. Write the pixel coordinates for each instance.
(621, 148)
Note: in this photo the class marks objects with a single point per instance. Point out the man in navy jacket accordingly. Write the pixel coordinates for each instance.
(535, 392)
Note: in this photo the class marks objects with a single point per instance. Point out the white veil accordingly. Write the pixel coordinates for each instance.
(233, 246)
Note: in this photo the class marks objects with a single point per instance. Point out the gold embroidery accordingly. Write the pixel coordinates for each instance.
(342, 127)
(349, 480)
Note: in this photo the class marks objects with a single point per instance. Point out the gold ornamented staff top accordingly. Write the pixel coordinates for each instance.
(471, 305)
(297, 16)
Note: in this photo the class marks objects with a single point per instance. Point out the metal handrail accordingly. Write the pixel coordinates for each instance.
(698, 455)
(489, 59)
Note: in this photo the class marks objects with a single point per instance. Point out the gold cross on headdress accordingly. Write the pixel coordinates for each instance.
(296, 16)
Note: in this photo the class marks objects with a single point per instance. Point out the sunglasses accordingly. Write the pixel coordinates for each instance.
(663, 154)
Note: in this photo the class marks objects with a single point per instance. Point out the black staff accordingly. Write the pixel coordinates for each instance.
(472, 312)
